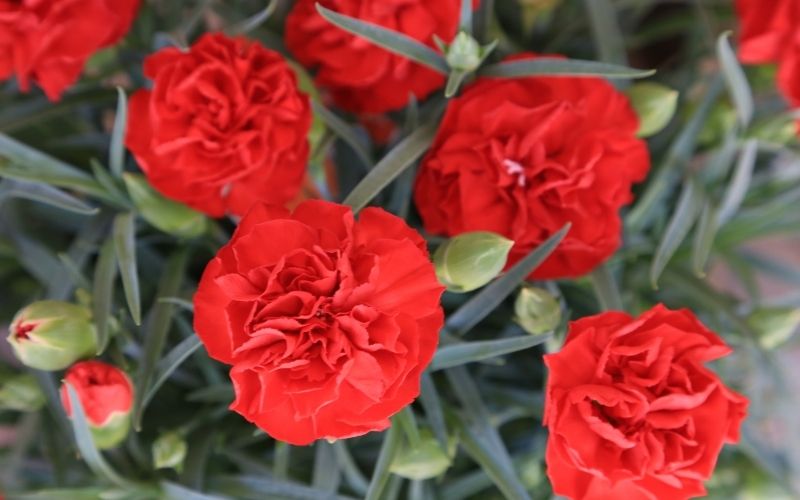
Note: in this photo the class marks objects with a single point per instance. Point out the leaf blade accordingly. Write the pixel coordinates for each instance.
(116, 155)
(125, 246)
(735, 79)
(458, 354)
(545, 66)
(391, 166)
(390, 40)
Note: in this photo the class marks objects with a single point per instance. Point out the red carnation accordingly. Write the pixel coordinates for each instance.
(223, 127)
(523, 157)
(632, 411)
(362, 77)
(49, 41)
(327, 322)
(770, 33)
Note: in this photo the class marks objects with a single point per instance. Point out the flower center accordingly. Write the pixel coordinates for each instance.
(514, 169)
(22, 329)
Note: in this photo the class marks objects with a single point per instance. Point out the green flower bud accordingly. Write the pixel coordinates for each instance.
(169, 451)
(774, 325)
(21, 393)
(464, 53)
(471, 260)
(536, 311)
(51, 335)
(425, 460)
(655, 104)
(164, 214)
(112, 432)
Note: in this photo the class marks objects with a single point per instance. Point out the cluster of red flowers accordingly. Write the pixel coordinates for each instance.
(329, 320)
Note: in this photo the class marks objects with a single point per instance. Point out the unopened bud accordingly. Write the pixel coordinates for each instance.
(464, 53)
(471, 260)
(51, 335)
(655, 104)
(169, 451)
(536, 311)
(425, 460)
(774, 325)
(106, 395)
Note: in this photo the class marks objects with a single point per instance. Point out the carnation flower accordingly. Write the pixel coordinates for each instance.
(327, 322)
(223, 127)
(631, 409)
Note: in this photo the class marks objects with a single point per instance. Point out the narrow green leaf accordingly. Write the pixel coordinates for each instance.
(606, 289)
(484, 302)
(547, 66)
(468, 352)
(672, 168)
(159, 325)
(488, 449)
(380, 476)
(116, 156)
(256, 20)
(408, 422)
(283, 455)
(606, 31)
(325, 476)
(736, 80)
(686, 213)
(125, 246)
(704, 238)
(390, 40)
(110, 185)
(392, 165)
(103, 292)
(352, 474)
(465, 17)
(343, 131)
(47, 194)
(168, 365)
(740, 182)
(454, 80)
(173, 491)
(83, 437)
(432, 403)
(482, 453)
(259, 488)
(91, 493)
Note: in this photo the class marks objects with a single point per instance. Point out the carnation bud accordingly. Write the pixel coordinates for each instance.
(21, 393)
(51, 335)
(164, 214)
(536, 311)
(655, 104)
(425, 460)
(774, 325)
(471, 260)
(106, 395)
(464, 53)
(169, 451)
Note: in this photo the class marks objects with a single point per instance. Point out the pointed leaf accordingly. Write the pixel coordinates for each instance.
(343, 131)
(168, 365)
(390, 40)
(256, 20)
(740, 183)
(105, 272)
(125, 246)
(686, 213)
(548, 66)
(380, 476)
(468, 352)
(704, 238)
(47, 194)
(606, 289)
(736, 80)
(116, 157)
(392, 165)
